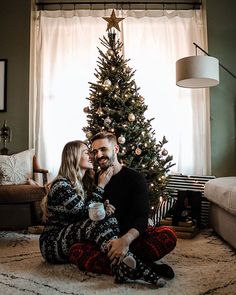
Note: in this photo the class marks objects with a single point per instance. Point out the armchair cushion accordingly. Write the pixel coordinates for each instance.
(16, 168)
(22, 193)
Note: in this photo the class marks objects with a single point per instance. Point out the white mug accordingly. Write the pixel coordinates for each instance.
(96, 211)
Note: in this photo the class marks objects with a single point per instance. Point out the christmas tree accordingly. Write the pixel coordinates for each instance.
(116, 106)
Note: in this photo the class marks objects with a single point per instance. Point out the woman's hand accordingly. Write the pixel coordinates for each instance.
(110, 209)
(105, 176)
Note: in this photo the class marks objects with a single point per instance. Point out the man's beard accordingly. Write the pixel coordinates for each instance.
(108, 163)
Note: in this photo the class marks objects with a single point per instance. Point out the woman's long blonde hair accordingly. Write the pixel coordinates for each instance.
(70, 169)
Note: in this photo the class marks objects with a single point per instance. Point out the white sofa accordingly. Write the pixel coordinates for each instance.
(221, 192)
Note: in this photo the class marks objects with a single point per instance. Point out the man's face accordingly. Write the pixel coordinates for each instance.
(104, 152)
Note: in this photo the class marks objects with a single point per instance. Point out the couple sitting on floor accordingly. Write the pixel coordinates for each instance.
(121, 244)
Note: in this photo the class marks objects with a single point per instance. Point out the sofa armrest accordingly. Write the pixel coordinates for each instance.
(37, 169)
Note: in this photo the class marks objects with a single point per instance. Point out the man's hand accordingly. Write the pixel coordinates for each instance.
(117, 249)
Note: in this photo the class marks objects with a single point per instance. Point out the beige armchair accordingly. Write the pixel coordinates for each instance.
(20, 203)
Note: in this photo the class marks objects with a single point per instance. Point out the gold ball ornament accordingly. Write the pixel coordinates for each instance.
(141, 98)
(164, 152)
(89, 134)
(131, 117)
(110, 52)
(128, 69)
(138, 151)
(107, 83)
(107, 121)
(86, 109)
(123, 152)
(121, 139)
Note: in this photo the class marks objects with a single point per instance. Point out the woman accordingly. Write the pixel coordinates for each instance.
(67, 220)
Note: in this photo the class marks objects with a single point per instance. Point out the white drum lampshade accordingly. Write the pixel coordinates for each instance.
(197, 71)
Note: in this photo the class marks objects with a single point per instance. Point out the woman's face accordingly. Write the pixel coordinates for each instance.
(86, 159)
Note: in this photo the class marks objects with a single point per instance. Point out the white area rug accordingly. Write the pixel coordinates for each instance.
(203, 265)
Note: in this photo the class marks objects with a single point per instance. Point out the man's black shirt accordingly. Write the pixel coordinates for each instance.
(127, 191)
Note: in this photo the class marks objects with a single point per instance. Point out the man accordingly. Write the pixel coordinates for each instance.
(127, 191)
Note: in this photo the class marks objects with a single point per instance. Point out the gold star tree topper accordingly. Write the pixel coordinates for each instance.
(113, 21)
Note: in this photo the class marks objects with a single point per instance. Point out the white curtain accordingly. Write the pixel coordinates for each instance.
(66, 58)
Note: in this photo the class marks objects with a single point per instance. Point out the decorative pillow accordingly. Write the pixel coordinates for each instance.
(17, 168)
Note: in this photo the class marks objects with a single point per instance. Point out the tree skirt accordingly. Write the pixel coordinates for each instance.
(203, 265)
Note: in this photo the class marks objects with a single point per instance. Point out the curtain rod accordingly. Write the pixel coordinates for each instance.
(194, 4)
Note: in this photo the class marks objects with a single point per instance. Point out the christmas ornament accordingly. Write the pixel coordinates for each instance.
(138, 151)
(121, 139)
(110, 52)
(164, 152)
(141, 98)
(89, 134)
(86, 110)
(113, 21)
(123, 152)
(128, 69)
(131, 117)
(107, 121)
(107, 83)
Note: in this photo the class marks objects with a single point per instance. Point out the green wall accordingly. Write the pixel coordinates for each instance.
(15, 47)
(221, 26)
(221, 23)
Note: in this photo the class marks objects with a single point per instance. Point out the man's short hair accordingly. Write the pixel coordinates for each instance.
(104, 134)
